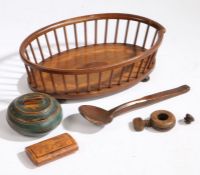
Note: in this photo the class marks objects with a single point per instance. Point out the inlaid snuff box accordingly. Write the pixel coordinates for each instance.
(34, 114)
(51, 149)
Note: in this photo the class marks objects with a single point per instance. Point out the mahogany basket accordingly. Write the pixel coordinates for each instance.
(91, 55)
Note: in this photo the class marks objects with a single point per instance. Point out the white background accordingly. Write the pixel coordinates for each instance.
(115, 149)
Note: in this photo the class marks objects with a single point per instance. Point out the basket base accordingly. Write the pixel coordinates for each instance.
(93, 56)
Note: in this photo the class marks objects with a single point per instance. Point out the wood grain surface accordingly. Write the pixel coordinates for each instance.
(51, 149)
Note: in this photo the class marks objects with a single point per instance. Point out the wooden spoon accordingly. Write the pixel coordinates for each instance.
(101, 116)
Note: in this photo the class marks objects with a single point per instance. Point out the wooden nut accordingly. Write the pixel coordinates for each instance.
(162, 120)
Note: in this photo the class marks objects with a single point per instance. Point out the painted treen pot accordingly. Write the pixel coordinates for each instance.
(34, 114)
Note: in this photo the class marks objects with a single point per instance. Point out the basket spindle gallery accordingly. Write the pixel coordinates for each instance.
(91, 55)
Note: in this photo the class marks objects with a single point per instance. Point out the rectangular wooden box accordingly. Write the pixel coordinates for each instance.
(51, 149)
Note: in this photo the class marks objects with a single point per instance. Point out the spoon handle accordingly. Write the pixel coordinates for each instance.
(149, 100)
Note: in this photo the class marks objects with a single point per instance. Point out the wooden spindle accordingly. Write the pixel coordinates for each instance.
(52, 82)
(66, 38)
(85, 33)
(121, 76)
(151, 60)
(33, 53)
(99, 83)
(116, 31)
(131, 71)
(126, 32)
(27, 55)
(56, 38)
(149, 63)
(154, 38)
(34, 79)
(110, 79)
(29, 75)
(40, 49)
(42, 80)
(146, 64)
(48, 45)
(136, 34)
(145, 38)
(88, 82)
(64, 82)
(75, 35)
(95, 32)
(139, 68)
(76, 83)
(106, 31)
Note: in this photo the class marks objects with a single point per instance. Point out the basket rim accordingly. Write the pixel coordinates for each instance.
(161, 30)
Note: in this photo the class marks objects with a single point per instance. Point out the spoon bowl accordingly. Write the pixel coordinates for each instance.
(95, 114)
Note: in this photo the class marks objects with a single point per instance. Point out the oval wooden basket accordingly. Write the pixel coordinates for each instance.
(91, 55)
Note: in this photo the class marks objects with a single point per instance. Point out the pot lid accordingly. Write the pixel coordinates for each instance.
(33, 106)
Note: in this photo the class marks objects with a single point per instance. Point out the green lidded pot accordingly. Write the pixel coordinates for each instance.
(34, 114)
